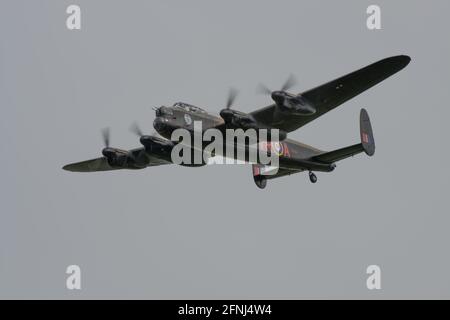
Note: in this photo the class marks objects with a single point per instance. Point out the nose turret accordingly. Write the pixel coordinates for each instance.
(159, 124)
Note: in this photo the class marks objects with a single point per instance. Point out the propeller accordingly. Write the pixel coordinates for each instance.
(232, 94)
(226, 113)
(106, 137)
(134, 128)
(262, 89)
(241, 119)
(107, 152)
(118, 157)
(288, 84)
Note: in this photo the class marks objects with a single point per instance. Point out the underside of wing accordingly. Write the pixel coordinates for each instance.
(332, 94)
(101, 164)
(98, 164)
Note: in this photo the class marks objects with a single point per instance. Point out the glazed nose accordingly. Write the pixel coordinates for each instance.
(159, 124)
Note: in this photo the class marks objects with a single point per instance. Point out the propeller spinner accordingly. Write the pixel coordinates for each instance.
(287, 102)
(226, 113)
(107, 151)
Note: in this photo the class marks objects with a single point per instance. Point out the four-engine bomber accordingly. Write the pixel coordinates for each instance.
(288, 113)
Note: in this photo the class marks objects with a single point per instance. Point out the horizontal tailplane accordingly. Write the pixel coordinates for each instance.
(367, 143)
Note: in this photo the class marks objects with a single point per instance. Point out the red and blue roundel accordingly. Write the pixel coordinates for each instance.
(187, 119)
(277, 147)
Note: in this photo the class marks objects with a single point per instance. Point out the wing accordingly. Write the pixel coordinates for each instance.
(98, 164)
(332, 94)
(101, 164)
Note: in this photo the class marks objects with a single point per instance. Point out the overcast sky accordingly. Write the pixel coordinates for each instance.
(175, 232)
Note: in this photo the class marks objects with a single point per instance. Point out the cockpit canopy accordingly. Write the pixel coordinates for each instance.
(188, 107)
(164, 111)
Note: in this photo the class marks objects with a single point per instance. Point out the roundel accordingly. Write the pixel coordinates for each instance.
(188, 119)
(277, 147)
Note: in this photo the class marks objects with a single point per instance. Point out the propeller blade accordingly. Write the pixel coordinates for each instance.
(232, 94)
(290, 82)
(155, 133)
(262, 89)
(105, 136)
(136, 129)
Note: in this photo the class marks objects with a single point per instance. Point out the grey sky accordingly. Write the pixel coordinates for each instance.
(175, 232)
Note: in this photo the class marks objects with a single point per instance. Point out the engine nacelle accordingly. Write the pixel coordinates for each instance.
(237, 119)
(117, 157)
(292, 104)
(156, 144)
(245, 121)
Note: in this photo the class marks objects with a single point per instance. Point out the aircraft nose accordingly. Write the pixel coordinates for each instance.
(159, 124)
